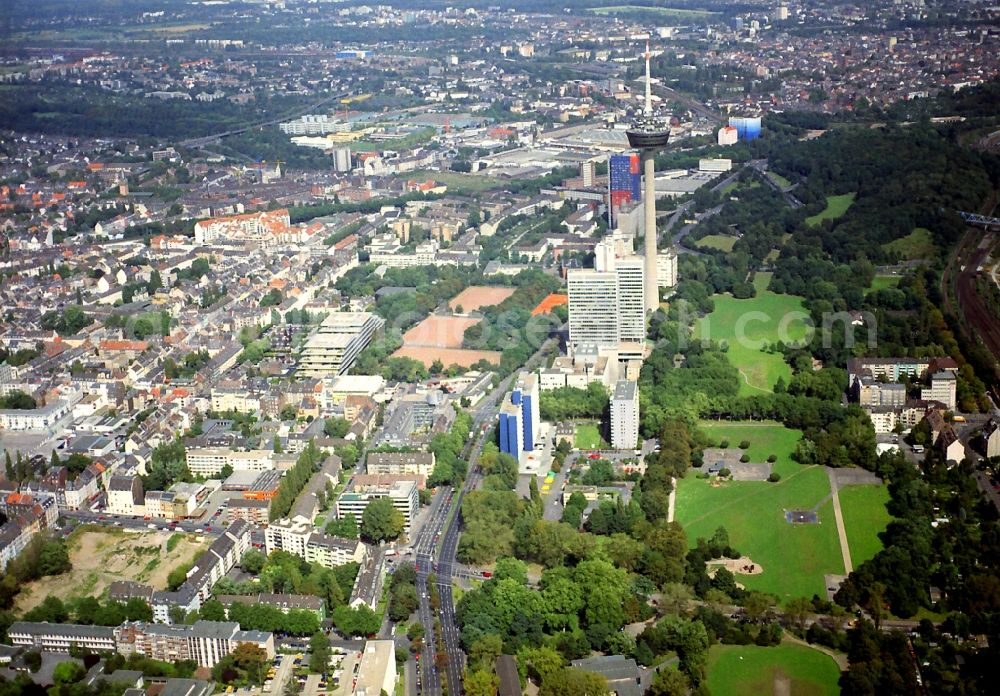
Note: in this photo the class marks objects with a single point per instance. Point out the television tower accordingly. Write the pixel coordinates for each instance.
(649, 135)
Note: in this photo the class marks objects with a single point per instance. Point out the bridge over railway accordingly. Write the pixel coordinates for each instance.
(977, 219)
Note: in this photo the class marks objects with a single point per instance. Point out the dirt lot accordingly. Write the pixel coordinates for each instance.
(100, 557)
(448, 356)
(479, 296)
(439, 332)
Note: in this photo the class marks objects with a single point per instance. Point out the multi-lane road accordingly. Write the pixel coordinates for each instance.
(436, 546)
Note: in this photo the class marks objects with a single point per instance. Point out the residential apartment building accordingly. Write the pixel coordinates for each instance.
(377, 669)
(389, 463)
(44, 419)
(256, 512)
(297, 536)
(205, 642)
(666, 269)
(125, 496)
(943, 389)
(283, 602)
(338, 341)
(210, 461)
(625, 415)
(52, 637)
(356, 497)
(259, 229)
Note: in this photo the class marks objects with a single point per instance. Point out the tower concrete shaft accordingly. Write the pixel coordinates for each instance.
(652, 290)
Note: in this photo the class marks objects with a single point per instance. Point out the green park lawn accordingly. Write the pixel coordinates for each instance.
(750, 670)
(765, 437)
(794, 557)
(721, 242)
(918, 244)
(781, 181)
(835, 207)
(883, 282)
(588, 437)
(758, 321)
(762, 279)
(865, 516)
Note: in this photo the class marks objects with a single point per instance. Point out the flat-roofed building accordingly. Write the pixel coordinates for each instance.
(298, 537)
(625, 415)
(283, 602)
(338, 341)
(256, 512)
(210, 461)
(357, 496)
(205, 642)
(377, 669)
(52, 637)
(421, 463)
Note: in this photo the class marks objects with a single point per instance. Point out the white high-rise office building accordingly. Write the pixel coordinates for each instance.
(629, 275)
(593, 308)
(666, 268)
(625, 415)
(606, 305)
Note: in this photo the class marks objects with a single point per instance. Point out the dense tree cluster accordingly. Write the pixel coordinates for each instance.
(403, 599)
(295, 480)
(509, 327)
(567, 403)
(449, 467)
(68, 322)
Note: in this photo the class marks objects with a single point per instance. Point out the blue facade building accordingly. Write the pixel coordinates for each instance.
(747, 128)
(626, 178)
(520, 421)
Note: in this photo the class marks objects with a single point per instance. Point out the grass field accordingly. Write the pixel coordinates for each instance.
(835, 207)
(750, 670)
(782, 181)
(766, 438)
(588, 437)
(747, 326)
(762, 279)
(865, 517)
(883, 282)
(794, 557)
(722, 242)
(918, 244)
(456, 181)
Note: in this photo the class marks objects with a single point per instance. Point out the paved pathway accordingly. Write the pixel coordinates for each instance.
(839, 658)
(845, 550)
(672, 500)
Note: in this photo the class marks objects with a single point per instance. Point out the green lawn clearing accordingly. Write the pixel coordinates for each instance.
(780, 180)
(883, 282)
(865, 517)
(762, 279)
(794, 558)
(588, 437)
(918, 244)
(722, 242)
(835, 207)
(765, 437)
(747, 327)
(750, 670)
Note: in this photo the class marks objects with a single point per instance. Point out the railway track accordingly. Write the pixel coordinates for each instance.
(958, 286)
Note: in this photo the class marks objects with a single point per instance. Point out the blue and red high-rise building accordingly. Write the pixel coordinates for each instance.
(626, 179)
